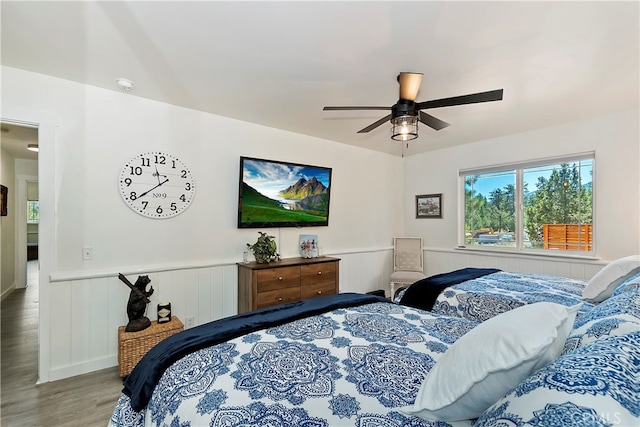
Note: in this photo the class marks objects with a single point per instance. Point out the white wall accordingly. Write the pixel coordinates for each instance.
(190, 258)
(616, 143)
(8, 226)
(100, 130)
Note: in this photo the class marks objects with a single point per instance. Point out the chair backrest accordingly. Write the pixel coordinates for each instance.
(407, 254)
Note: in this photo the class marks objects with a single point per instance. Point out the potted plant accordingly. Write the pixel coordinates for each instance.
(264, 249)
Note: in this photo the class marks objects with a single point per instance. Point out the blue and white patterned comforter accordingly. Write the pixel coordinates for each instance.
(352, 366)
(485, 297)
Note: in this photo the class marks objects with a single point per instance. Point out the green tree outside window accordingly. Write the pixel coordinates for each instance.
(553, 196)
(33, 211)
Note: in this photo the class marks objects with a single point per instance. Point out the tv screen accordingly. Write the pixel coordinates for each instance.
(281, 194)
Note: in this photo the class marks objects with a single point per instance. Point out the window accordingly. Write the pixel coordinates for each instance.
(33, 212)
(544, 205)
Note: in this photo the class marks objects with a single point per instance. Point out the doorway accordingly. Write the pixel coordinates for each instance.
(19, 238)
(19, 173)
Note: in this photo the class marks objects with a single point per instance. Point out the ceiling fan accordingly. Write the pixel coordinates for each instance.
(406, 113)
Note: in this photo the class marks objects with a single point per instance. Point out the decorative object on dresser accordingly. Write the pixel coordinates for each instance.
(133, 345)
(309, 245)
(137, 304)
(265, 248)
(287, 280)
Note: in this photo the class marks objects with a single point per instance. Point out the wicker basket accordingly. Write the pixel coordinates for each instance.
(133, 345)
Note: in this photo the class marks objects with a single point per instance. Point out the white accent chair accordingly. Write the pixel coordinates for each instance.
(407, 262)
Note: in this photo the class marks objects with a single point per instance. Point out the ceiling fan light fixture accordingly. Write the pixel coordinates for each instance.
(404, 128)
(33, 147)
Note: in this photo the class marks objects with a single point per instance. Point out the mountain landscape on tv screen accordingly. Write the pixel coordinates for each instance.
(305, 201)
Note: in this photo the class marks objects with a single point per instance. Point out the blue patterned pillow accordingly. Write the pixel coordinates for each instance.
(612, 275)
(632, 283)
(617, 315)
(596, 385)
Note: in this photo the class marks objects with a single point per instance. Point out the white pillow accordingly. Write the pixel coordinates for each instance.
(491, 359)
(605, 281)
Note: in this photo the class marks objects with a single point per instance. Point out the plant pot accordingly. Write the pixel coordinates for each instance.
(262, 259)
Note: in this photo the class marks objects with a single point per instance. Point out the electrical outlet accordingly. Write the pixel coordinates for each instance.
(87, 253)
(189, 322)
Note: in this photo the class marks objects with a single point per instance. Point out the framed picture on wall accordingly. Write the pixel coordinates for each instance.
(429, 206)
(4, 195)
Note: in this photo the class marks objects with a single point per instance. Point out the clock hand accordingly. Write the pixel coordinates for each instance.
(158, 174)
(151, 189)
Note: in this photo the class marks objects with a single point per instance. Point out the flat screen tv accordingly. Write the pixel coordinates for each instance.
(282, 194)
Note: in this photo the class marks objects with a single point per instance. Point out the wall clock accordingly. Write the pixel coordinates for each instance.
(156, 185)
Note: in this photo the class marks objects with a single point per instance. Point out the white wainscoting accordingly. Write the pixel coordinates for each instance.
(438, 261)
(365, 271)
(86, 311)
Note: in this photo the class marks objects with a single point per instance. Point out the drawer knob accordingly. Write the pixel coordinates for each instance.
(319, 272)
(280, 299)
(279, 277)
(319, 292)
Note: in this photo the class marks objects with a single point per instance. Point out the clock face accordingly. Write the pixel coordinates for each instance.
(157, 185)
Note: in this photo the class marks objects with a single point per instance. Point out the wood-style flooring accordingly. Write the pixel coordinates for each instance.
(82, 401)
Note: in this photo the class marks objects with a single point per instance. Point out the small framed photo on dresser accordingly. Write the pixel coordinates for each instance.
(309, 245)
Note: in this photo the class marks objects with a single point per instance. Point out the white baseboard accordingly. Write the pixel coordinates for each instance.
(8, 292)
(82, 368)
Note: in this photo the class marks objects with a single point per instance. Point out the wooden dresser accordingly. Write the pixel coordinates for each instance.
(287, 280)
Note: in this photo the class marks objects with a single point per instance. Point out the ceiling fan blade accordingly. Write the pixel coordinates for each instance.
(355, 108)
(492, 95)
(409, 85)
(372, 126)
(432, 122)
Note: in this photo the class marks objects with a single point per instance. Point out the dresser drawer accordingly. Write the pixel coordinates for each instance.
(277, 296)
(278, 278)
(317, 290)
(287, 280)
(320, 272)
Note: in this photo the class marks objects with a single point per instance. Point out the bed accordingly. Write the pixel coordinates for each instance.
(360, 360)
(346, 359)
(481, 293)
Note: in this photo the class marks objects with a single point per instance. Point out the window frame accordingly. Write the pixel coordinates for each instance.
(519, 168)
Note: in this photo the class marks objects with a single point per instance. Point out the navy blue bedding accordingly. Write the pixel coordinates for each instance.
(423, 293)
(139, 385)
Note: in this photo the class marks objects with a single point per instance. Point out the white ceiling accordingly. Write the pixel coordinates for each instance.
(278, 63)
(14, 139)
